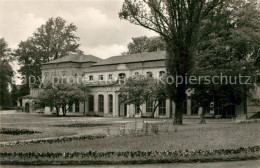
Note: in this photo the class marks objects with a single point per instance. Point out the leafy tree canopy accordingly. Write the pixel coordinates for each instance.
(52, 40)
(63, 95)
(145, 44)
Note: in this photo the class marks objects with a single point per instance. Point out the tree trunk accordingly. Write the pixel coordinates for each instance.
(57, 111)
(180, 97)
(64, 110)
(245, 102)
(202, 116)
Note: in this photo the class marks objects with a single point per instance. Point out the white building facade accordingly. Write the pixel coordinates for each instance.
(104, 99)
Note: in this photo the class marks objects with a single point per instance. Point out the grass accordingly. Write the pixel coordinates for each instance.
(206, 137)
(216, 134)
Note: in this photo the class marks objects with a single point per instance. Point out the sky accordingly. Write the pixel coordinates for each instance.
(101, 32)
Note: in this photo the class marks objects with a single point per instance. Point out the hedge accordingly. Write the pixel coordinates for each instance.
(130, 156)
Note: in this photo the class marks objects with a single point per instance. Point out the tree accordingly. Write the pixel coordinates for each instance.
(134, 91)
(6, 74)
(156, 92)
(178, 23)
(139, 89)
(63, 95)
(50, 41)
(145, 44)
(230, 47)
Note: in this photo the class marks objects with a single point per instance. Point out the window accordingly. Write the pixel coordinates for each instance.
(223, 108)
(137, 109)
(91, 103)
(110, 76)
(100, 103)
(121, 76)
(77, 106)
(110, 99)
(194, 107)
(76, 75)
(162, 107)
(161, 73)
(91, 78)
(136, 73)
(149, 106)
(100, 77)
(149, 74)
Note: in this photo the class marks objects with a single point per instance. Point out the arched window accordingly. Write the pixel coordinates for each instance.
(91, 78)
(110, 99)
(149, 106)
(100, 103)
(161, 73)
(149, 74)
(162, 107)
(91, 103)
(121, 76)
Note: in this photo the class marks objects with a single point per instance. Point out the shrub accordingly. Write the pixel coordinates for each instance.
(155, 129)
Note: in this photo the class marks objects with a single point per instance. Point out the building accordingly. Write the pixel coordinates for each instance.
(104, 97)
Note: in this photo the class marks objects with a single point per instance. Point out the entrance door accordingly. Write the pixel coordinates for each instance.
(27, 110)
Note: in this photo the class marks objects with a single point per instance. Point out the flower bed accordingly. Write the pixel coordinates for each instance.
(12, 131)
(91, 157)
(54, 140)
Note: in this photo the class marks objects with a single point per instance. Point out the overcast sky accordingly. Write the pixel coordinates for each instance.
(101, 31)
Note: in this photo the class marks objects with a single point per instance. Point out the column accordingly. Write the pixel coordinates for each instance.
(73, 108)
(144, 108)
(86, 106)
(188, 106)
(81, 107)
(106, 104)
(128, 111)
(116, 104)
(167, 108)
(95, 102)
(173, 109)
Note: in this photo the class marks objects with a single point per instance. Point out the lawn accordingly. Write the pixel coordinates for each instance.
(216, 140)
(194, 136)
